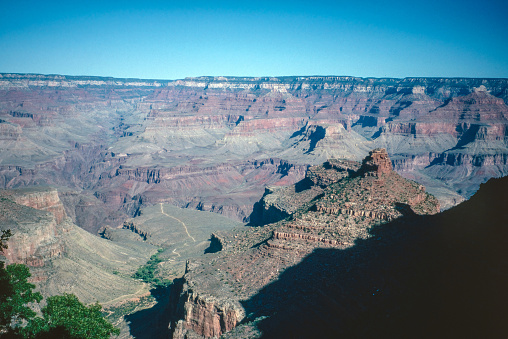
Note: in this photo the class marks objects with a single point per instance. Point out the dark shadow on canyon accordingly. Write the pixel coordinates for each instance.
(260, 217)
(467, 136)
(442, 276)
(314, 137)
(152, 322)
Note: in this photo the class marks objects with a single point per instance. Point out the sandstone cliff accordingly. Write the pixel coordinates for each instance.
(41, 199)
(33, 244)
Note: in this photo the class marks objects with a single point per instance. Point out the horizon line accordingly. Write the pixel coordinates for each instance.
(232, 77)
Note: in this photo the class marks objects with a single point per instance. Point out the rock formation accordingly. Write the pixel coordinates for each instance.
(44, 199)
(215, 143)
(62, 257)
(33, 243)
(377, 163)
(423, 276)
(336, 215)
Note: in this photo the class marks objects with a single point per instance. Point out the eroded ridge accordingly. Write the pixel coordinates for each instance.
(348, 199)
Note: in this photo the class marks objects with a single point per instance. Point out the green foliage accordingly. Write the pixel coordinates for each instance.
(13, 308)
(147, 272)
(15, 292)
(6, 234)
(66, 314)
(63, 316)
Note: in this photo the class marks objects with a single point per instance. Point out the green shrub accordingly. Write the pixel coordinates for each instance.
(147, 272)
(64, 316)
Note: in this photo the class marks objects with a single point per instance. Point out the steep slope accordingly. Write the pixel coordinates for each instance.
(434, 276)
(248, 259)
(442, 275)
(64, 258)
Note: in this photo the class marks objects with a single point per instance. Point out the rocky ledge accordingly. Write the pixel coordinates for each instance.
(357, 197)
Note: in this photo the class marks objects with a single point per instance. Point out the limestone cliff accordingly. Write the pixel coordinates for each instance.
(33, 244)
(44, 199)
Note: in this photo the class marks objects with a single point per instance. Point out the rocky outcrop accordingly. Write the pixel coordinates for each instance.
(306, 237)
(37, 248)
(395, 278)
(332, 171)
(355, 213)
(129, 225)
(376, 164)
(207, 316)
(42, 199)
(279, 203)
(245, 261)
(33, 243)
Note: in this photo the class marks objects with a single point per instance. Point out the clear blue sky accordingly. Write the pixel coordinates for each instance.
(173, 40)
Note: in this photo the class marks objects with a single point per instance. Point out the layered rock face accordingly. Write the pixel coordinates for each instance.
(34, 246)
(62, 257)
(409, 279)
(215, 143)
(41, 199)
(208, 317)
(36, 243)
(335, 215)
(377, 163)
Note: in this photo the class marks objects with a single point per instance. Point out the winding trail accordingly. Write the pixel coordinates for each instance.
(184, 226)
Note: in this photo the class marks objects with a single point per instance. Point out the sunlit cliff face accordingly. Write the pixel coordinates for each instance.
(214, 143)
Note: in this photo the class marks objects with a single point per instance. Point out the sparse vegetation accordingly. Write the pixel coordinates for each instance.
(148, 272)
(64, 316)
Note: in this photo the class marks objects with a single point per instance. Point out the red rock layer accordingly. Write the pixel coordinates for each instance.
(377, 163)
(45, 200)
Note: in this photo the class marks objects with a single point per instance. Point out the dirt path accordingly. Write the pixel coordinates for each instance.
(136, 294)
(184, 226)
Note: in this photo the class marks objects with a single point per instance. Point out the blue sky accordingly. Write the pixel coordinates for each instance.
(173, 40)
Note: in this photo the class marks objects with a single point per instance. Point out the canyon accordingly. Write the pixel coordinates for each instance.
(64, 258)
(333, 216)
(61, 256)
(100, 174)
(111, 146)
